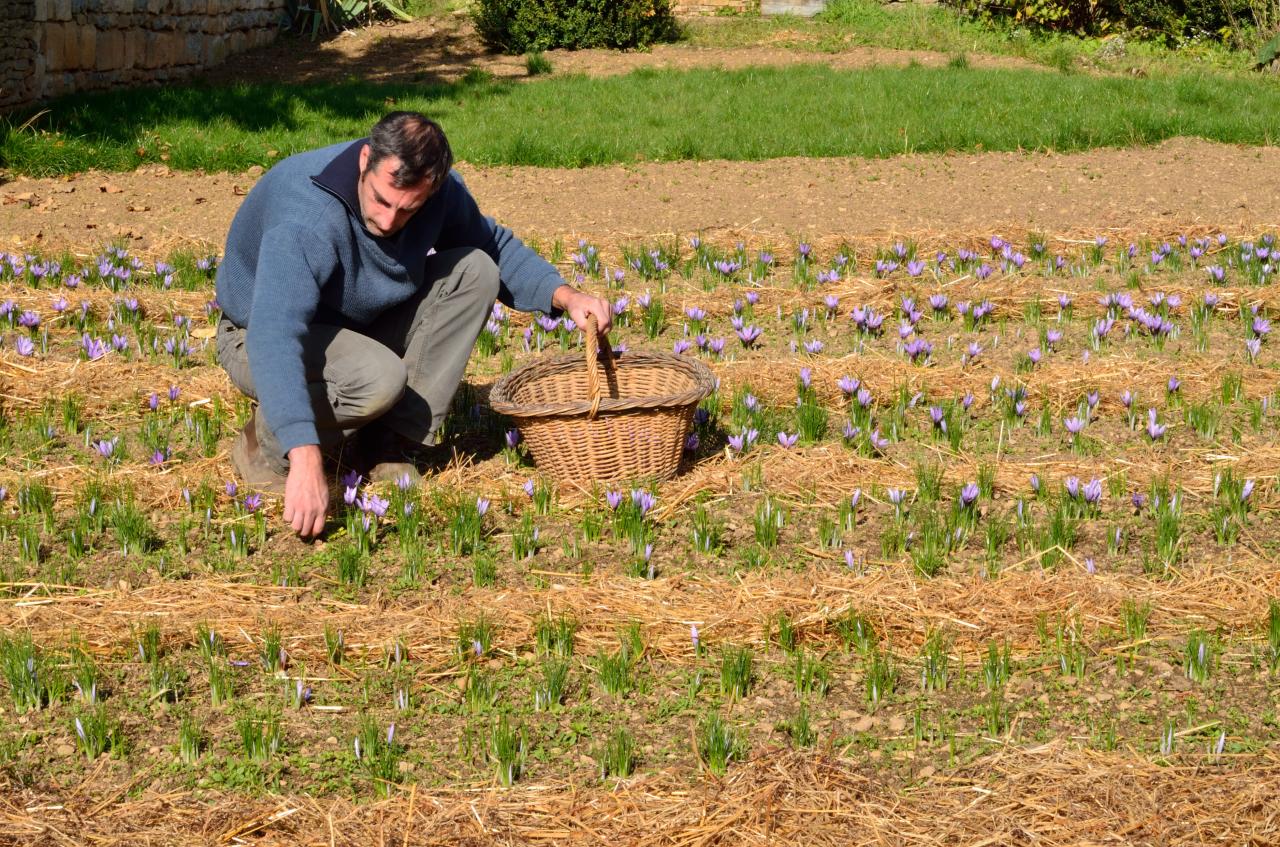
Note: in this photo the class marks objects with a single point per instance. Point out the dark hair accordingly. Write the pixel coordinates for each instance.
(418, 142)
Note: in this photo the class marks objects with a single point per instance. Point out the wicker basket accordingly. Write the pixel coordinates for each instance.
(620, 417)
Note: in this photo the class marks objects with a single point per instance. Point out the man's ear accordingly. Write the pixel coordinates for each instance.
(364, 158)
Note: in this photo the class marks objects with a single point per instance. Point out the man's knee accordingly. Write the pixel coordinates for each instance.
(478, 273)
(370, 384)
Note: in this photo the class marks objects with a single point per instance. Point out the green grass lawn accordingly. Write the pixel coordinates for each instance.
(570, 121)
(911, 26)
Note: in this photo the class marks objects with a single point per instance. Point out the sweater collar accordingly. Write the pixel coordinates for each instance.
(341, 177)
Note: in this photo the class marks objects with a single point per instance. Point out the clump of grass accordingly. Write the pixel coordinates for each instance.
(856, 632)
(549, 692)
(260, 734)
(475, 637)
(880, 676)
(507, 751)
(1200, 656)
(810, 674)
(34, 679)
(95, 732)
(617, 755)
(718, 744)
(996, 665)
(378, 755)
(935, 662)
(736, 673)
(800, 729)
(555, 635)
(191, 741)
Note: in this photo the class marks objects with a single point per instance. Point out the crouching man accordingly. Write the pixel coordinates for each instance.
(356, 280)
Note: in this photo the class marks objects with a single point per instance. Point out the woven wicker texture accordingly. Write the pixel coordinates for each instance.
(601, 417)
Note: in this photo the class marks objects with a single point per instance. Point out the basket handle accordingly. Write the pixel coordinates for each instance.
(594, 348)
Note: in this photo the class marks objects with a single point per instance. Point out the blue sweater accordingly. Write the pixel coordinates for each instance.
(298, 253)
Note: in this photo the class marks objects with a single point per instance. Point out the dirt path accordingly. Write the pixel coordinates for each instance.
(1177, 185)
(444, 49)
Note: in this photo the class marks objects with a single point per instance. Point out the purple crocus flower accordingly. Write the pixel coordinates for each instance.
(482, 506)
(1246, 490)
(1074, 425)
(1138, 499)
(528, 487)
(174, 391)
(253, 502)
(1154, 430)
(848, 385)
(788, 440)
(806, 377)
(643, 500)
(24, 346)
(681, 346)
(105, 447)
(748, 335)
(1092, 491)
(613, 498)
(512, 438)
(1072, 485)
(968, 494)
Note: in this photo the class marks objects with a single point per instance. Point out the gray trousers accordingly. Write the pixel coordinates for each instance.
(402, 370)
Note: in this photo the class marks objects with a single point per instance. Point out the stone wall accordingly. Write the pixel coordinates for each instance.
(53, 47)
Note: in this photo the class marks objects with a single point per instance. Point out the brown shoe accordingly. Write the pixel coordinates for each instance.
(251, 466)
(388, 456)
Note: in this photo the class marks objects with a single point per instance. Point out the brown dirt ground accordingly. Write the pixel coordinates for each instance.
(1180, 184)
(443, 49)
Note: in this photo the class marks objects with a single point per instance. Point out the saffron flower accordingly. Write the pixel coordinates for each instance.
(1154, 430)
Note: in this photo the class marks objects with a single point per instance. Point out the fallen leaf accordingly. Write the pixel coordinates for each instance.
(238, 191)
(110, 188)
(203, 332)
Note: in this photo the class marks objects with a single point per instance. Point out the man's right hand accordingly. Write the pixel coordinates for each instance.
(306, 491)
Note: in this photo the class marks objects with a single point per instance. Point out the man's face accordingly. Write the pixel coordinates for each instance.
(385, 208)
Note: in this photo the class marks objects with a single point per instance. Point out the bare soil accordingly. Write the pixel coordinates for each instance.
(1180, 184)
(444, 49)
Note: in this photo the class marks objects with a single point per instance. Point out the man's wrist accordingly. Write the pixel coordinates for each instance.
(561, 296)
(305, 454)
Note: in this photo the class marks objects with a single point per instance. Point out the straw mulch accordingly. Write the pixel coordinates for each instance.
(1230, 598)
(1050, 795)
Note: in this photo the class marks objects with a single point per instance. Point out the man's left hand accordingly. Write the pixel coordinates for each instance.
(580, 305)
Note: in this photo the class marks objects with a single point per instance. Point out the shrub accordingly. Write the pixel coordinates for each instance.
(1167, 19)
(524, 26)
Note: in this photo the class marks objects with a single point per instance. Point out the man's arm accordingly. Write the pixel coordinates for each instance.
(529, 282)
(285, 297)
